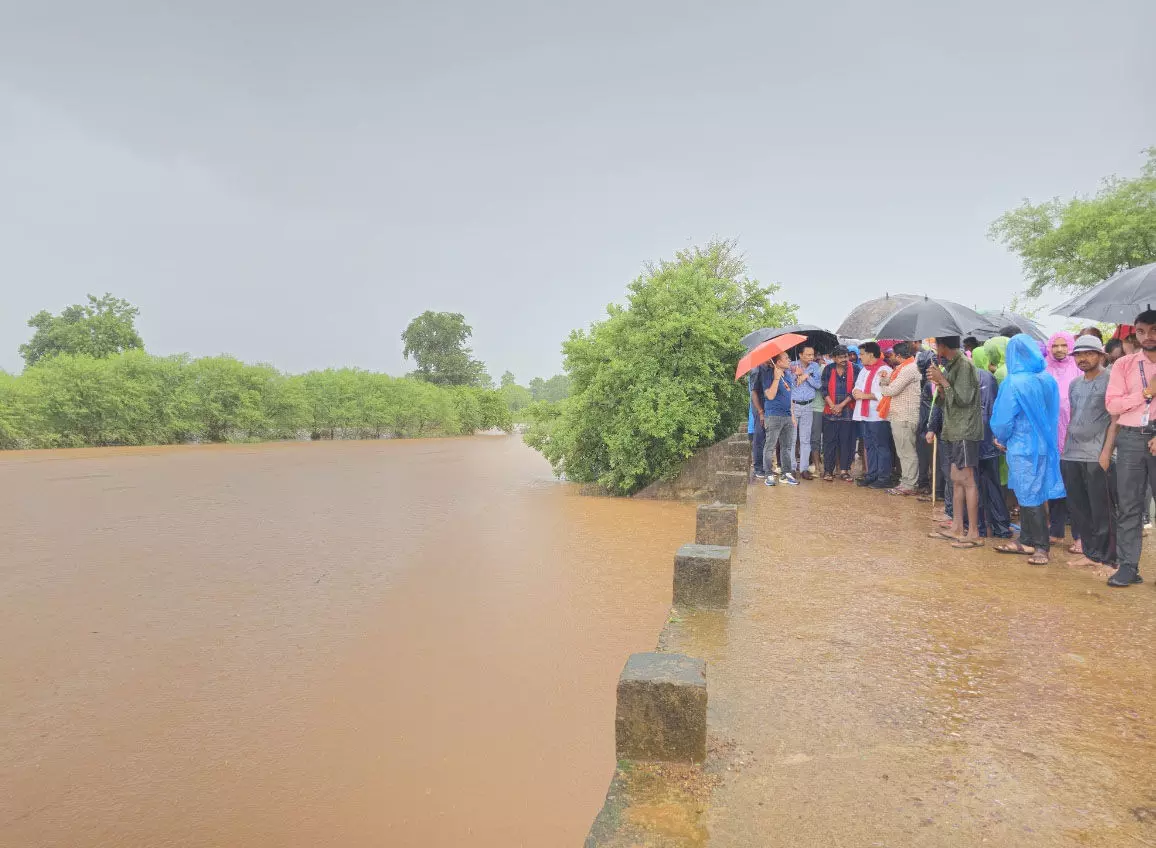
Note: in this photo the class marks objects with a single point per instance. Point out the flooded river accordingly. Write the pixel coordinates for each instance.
(350, 644)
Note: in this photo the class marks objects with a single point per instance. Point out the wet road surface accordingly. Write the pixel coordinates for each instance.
(871, 687)
(355, 644)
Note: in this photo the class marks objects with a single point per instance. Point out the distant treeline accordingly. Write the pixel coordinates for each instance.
(134, 398)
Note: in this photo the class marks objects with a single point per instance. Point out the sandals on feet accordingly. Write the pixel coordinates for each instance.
(966, 544)
(1038, 558)
(1014, 548)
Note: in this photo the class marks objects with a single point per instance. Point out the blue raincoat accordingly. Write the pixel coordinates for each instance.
(1026, 419)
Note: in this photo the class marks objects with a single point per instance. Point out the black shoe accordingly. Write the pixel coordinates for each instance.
(1126, 575)
(882, 485)
(864, 482)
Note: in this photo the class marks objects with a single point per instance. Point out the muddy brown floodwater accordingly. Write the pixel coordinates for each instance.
(371, 643)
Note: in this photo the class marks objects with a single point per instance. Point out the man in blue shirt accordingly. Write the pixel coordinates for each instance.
(755, 421)
(778, 384)
(807, 374)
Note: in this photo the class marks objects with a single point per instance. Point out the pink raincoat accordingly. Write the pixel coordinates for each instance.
(1064, 370)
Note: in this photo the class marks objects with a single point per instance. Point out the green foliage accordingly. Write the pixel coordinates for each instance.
(1071, 245)
(553, 390)
(654, 381)
(132, 398)
(437, 343)
(103, 326)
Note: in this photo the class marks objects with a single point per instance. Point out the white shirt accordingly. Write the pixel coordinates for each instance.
(873, 406)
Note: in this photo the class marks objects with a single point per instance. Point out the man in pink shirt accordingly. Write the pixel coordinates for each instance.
(1131, 389)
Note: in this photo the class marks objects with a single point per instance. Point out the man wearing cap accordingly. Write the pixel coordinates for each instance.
(1086, 462)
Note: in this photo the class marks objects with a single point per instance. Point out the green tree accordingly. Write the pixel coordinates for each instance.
(437, 343)
(103, 326)
(1073, 244)
(654, 381)
(553, 390)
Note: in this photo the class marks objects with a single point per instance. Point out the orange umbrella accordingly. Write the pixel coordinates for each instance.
(767, 351)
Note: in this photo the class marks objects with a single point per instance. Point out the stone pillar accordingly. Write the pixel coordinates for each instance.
(717, 524)
(661, 709)
(702, 576)
(731, 486)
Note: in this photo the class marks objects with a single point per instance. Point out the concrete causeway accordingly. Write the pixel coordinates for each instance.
(869, 686)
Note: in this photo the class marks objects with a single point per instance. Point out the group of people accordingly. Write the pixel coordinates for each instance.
(1055, 435)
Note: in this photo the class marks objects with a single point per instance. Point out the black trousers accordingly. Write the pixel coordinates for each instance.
(923, 451)
(1034, 527)
(1136, 483)
(992, 506)
(1091, 496)
(1058, 515)
(838, 441)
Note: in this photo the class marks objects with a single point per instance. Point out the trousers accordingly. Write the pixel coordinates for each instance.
(1034, 527)
(992, 506)
(1090, 504)
(780, 431)
(905, 448)
(1135, 484)
(803, 421)
(877, 440)
(838, 443)
(758, 439)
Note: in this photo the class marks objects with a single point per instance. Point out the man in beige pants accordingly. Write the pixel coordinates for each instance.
(902, 387)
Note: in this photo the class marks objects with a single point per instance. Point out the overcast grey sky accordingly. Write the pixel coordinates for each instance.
(292, 182)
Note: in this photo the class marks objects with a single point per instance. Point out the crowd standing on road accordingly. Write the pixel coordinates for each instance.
(1021, 442)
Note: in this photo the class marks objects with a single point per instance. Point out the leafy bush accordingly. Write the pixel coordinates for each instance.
(132, 398)
(654, 381)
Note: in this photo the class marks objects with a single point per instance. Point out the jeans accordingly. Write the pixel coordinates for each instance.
(838, 442)
(992, 506)
(780, 430)
(877, 439)
(1135, 484)
(803, 421)
(758, 439)
(1090, 503)
(905, 448)
(1034, 527)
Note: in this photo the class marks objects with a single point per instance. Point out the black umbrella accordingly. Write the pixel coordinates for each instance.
(823, 341)
(1002, 319)
(1119, 299)
(928, 317)
(866, 316)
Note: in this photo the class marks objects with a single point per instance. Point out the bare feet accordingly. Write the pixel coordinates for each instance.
(1082, 561)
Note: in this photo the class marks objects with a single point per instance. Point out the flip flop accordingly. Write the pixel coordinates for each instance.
(1014, 549)
(1034, 559)
(939, 534)
(965, 544)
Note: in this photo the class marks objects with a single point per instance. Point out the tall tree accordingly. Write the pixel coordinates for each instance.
(103, 326)
(1073, 244)
(436, 341)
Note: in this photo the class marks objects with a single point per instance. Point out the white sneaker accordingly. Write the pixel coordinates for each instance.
(790, 480)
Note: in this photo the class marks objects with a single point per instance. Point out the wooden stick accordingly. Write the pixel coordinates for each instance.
(934, 464)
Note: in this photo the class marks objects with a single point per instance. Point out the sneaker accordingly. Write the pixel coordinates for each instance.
(770, 481)
(1125, 576)
(760, 475)
(790, 480)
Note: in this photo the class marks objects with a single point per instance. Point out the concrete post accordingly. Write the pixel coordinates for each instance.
(661, 709)
(731, 486)
(702, 576)
(717, 524)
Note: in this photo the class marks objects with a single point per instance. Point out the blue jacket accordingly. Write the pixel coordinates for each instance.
(1026, 419)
